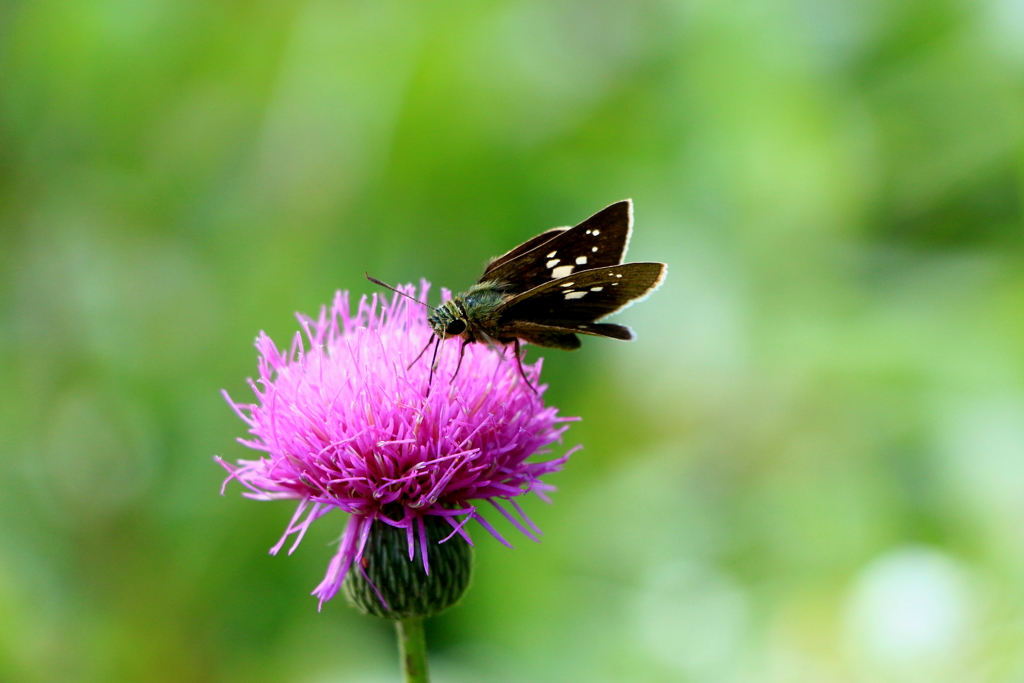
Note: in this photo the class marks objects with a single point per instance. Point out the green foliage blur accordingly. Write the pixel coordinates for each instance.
(809, 467)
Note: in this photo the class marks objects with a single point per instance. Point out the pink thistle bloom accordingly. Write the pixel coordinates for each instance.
(345, 423)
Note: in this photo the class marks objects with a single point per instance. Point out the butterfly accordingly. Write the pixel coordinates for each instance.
(551, 288)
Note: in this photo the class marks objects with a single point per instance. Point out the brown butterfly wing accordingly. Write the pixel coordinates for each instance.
(578, 301)
(599, 241)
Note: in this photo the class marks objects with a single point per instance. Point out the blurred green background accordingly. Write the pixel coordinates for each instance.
(809, 467)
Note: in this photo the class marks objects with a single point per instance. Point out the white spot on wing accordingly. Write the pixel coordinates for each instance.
(618, 274)
(615, 284)
(593, 249)
(552, 263)
(552, 253)
(596, 233)
(588, 232)
(575, 295)
(568, 284)
(581, 260)
(596, 289)
(561, 271)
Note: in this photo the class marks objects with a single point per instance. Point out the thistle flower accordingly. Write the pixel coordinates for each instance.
(347, 423)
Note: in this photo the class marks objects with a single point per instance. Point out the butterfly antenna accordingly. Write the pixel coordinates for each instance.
(519, 362)
(398, 291)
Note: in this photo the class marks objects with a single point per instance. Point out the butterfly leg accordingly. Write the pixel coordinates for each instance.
(420, 354)
(433, 363)
(519, 363)
(493, 344)
(462, 352)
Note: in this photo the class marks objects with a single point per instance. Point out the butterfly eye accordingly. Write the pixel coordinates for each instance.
(455, 327)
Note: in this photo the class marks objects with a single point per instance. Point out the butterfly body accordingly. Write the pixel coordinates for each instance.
(470, 314)
(554, 287)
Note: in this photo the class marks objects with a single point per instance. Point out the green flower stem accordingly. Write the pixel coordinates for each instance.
(412, 648)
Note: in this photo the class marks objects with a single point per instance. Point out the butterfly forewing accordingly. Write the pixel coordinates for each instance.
(599, 241)
(522, 249)
(584, 298)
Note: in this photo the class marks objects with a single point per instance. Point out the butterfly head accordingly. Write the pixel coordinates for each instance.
(449, 320)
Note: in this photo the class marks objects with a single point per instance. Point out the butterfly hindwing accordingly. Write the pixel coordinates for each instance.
(580, 300)
(599, 241)
(548, 336)
(554, 336)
